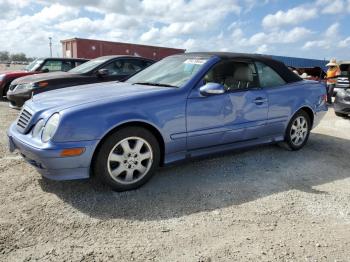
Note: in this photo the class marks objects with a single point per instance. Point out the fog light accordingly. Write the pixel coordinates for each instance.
(72, 152)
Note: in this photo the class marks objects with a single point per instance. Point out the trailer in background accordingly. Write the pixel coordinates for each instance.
(299, 62)
(90, 48)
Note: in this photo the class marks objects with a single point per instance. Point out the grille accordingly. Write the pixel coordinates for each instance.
(343, 81)
(24, 119)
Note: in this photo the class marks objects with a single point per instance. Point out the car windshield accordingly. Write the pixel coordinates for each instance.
(173, 71)
(345, 69)
(89, 66)
(34, 65)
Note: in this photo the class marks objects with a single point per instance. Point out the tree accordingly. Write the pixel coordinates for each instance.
(4, 56)
(18, 57)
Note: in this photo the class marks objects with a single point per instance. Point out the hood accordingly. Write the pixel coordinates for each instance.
(77, 95)
(43, 77)
(17, 73)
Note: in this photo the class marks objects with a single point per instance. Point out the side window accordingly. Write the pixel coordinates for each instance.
(147, 63)
(78, 63)
(233, 75)
(114, 68)
(52, 65)
(125, 67)
(131, 66)
(67, 65)
(268, 77)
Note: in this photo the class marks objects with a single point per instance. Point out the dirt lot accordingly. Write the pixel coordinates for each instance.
(263, 204)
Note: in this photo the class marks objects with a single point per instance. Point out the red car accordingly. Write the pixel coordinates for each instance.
(39, 65)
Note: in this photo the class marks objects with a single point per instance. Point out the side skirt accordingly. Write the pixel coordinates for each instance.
(214, 150)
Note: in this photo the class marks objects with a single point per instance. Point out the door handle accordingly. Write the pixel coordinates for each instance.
(260, 100)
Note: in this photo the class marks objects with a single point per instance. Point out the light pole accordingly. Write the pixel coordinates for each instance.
(50, 44)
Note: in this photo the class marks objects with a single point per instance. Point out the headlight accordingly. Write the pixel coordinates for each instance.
(50, 127)
(2, 77)
(36, 132)
(27, 86)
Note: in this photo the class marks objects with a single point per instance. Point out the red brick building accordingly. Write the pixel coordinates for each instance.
(89, 48)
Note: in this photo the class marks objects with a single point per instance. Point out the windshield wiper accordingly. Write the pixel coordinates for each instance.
(153, 84)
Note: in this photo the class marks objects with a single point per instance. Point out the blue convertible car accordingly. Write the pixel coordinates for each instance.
(184, 106)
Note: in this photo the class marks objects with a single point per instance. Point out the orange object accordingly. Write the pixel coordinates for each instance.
(43, 84)
(332, 74)
(72, 152)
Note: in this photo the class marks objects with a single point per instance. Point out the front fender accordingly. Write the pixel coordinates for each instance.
(93, 122)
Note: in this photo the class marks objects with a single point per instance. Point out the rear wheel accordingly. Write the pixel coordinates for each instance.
(298, 131)
(127, 159)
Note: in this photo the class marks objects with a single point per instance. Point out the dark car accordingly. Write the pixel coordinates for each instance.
(102, 69)
(342, 102)
(39, 65)
(343, 76)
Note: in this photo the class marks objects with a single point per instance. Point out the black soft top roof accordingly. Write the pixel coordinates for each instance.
(278, 66)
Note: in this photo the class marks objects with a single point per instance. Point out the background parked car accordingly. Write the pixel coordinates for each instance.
(39, 65)
(102, 69)
(342, 102)
(312, 73)
(343, 76)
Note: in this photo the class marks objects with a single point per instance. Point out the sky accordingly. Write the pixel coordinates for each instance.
(312, 29)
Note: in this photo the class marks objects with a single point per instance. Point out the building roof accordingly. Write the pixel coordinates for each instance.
(85, 39)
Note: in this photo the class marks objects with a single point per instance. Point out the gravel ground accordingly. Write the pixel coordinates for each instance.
(263, 204)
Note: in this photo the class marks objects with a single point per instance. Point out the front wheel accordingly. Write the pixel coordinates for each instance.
(298, 131)
(127, 159)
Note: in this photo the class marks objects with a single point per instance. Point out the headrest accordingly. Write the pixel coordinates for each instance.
(243, 73)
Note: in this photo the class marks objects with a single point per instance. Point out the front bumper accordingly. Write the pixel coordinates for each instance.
(341, 106)
(18, 99)
(47, 160)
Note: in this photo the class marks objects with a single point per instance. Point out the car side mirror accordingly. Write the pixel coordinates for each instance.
(211, 89)
(46, 70)
(102, 72)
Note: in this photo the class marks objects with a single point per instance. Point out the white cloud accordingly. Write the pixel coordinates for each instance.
(151, 34)
(192, 24)
(329, 40)
(263, 49)
(293, 16)
(345, 43)
(53, 13)
(282, 36)
(332, 31)
(332, 7)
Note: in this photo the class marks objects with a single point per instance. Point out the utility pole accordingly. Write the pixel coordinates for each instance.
(50, 44)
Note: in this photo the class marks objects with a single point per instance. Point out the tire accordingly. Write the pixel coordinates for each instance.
(298, 131)
(4, 92)
(340, 114)
(127, 158)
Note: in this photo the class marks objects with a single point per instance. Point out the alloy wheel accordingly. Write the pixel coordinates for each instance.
(130, 160)
(299, 130)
